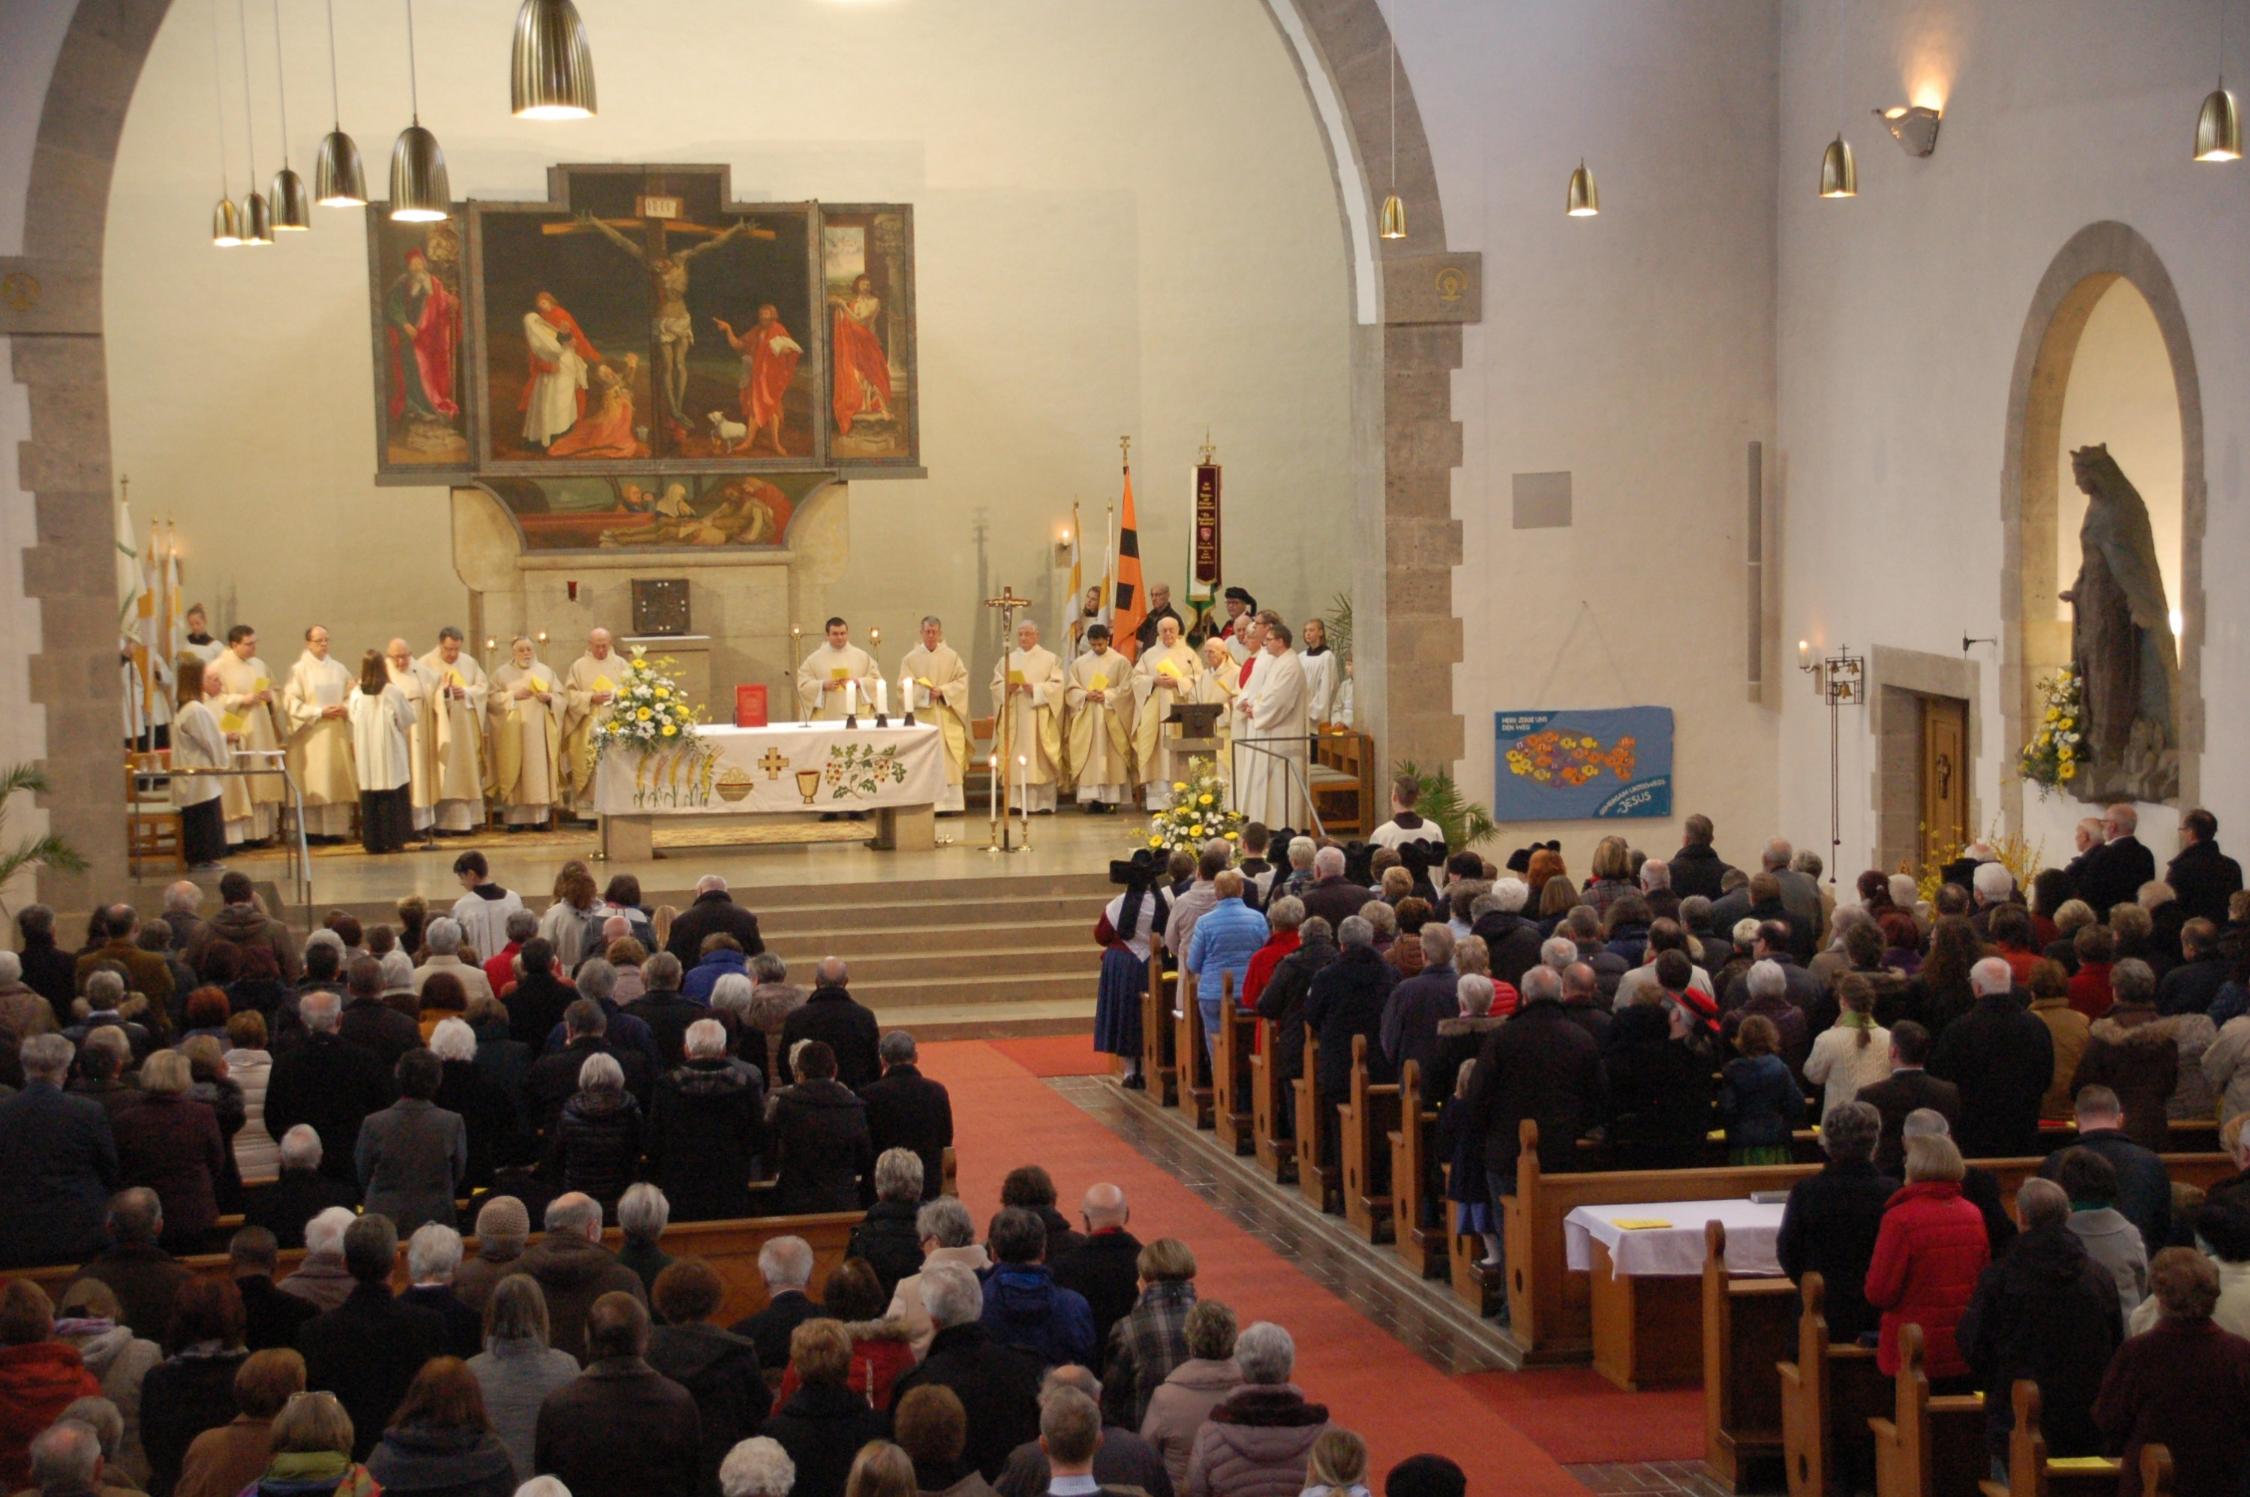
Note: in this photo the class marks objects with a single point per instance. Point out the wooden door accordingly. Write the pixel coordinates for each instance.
(1945, 772)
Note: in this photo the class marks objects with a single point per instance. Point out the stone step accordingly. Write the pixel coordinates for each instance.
(1073, 964)
(853, 943)
(1012, 913)
(897, 1000)
(799, 895)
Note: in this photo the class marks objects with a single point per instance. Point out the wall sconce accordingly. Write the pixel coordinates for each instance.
(1062, 547)
(1913, 126)
(1845, 675)
(1810, 666)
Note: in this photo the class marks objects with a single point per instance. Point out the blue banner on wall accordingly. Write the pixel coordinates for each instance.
(1582, 766)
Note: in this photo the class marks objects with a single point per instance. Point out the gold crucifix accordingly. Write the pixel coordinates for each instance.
(773, 764)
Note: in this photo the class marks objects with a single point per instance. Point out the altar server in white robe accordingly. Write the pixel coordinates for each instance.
(1166, 675)
(588, 691)
(934, 681)
(199, 644)
(418, 684)
(1324, 674)
(457, 751)
(1098, 697)
(1217, 685)
(246, 704)
(198, 742)
(527, 703)
(1271, 709)
(828, 670)
(1027, 689)
(320, 738)
(382, 722)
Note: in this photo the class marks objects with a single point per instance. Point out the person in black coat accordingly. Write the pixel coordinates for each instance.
(622, 1426)
(1908, 1089)
(1283, 1001)
(270, 1318)
(1831, 1221)
(1697, 867)
(889, 1237)
(786, 1265)
(371, 1023)
(2203, 879)
(824, 1424)
(1538, 1066)
(1511, 939)
(2001, 1058)
(553, 1079)
(495, 1128)
(58, 1164)
(1105, 1268)
(2115, 871)
(48, 970)
(1661, 1087)
(1345, 1002)
(192, 1389)
(540, 998)
(667, 1014)
(833, 1017)
(1000, 1382)
(301, 1193)
(718, 1368)
(706, 1129)
(328, 1083)
(714, 912)
(595, 1147)
(2144, 1190)
(2048, 1312)
(821, 1146)
(907, 1110)
(367, 1350)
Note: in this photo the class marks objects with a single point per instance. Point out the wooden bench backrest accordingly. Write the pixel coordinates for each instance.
(1930, 1445)
(1364, 1138)
(1313, 1165)
(1412, 1140)
(1158, 1063)
(1749, 1327)
(1230, 1070)
(2028, 1475)
(1269, 1103)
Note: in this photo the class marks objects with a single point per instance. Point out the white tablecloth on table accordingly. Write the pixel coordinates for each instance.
(1639, 1252)
(786, 767)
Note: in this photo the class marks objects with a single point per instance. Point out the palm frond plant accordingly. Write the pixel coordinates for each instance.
(49, 851)
(1338, 622)
(1465, 822)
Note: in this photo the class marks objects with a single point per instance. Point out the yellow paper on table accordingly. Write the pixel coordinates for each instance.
(1639, 1223)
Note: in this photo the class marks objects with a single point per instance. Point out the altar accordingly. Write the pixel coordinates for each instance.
(896, 772)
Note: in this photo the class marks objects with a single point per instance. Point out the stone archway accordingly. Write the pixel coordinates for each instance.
(2094, 259)
(52, 314)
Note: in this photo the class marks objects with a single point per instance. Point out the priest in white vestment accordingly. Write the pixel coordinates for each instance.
(1217, 685)
(1027, 692)
(934, 681)
(588, 691)
(527, 708)
(463, 691)
(244, 695)
(382, 722)
(198, 742)
(1270, 710)
(1324, 674)
(1098, 733)
(320, 738)
(1166, 675)
(835, 678)
(418, 684)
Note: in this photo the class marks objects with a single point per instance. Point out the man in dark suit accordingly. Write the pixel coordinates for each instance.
(907, 1110)
(368, 1021)
(302, 1191)
(367, 1350)
(58, 1164)
(622, 1426)
(2001, 1058)
(1908, 1088)
(2116, 870)
(786, 1264)
(832, 1016)
(1000, 1382)
(328, 1083)
(2203, 878)
(269, 1317)
(1105, 1268)
(1697, 867)
(1159, 608)
(714, 911)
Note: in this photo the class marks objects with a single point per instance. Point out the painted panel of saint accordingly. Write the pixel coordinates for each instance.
(867, 281)
(421, 403)
(663, 512)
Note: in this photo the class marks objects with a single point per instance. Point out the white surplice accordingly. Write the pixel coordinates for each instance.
(381, 728)
(815, 702)
(1031, 727)
(457, 747)
(252, 802)
(1271, 707)
(320, 748)
(418, 684)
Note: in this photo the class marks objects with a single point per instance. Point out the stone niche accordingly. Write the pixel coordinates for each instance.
(742, 599)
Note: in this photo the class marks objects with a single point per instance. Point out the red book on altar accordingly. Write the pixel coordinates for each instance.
(749, 706)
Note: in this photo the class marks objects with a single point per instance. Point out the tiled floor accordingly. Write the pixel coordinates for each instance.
(1661, 1477)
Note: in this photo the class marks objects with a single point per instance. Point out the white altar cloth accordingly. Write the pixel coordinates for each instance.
(1677, 1248)
(786, 767)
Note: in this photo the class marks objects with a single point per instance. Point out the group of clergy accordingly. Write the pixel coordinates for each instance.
(1101, 727)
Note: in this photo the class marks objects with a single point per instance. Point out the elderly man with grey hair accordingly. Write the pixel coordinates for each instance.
(1417, 1006)
(433, 1257)
(1260, 1436)
(948, 1239)
(908, 1110)
(999, 1382)
(573, 1269)
(1508, 933)
(786, 1264)
(832, 1016)
(66, 1460)
(888, 1237)
(2002, 1057)
(1765, 989)
(58, 1162)
(329, 1082)
(441, 947)
(1332, 895)
(323, 1278)
(1830, 1223)
(756, 1467)
(706, 1127)
(301, 1192)
(1345, 1002)
(713, 912)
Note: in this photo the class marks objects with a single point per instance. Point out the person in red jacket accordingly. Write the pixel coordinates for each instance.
(39, 1377)
(1929, 1253)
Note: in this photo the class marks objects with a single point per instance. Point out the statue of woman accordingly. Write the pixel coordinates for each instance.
(2121, 632)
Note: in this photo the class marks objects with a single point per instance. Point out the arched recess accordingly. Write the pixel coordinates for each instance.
(2094, 260)
(1403, 568)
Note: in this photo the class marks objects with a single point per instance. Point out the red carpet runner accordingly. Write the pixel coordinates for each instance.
(1491, 1423)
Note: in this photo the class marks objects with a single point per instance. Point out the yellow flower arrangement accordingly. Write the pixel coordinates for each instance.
(1198, 813)
(2053, 755)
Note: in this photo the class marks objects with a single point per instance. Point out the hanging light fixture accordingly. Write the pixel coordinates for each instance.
(290, 208)
(2218, 125)
(257, 218)
(1584, 200)
(1839, 173)
(226, 222)
(551, 70)
(420, 192)
(339, 181)
(1394, 211)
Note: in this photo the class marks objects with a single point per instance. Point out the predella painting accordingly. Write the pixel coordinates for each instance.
(421, 397)
(691, 511)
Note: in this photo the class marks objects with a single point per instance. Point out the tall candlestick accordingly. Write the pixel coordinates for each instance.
(1023, 788)
(851, 699)
(992, 792)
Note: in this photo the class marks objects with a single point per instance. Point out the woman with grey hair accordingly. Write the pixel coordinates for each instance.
(1830, 1223)
(949, 1240)
(888, 1237)
(1184, 1401)
(1260, 1436)
(757, 1467)
(517, 1368)
(642, 1215)
(596, 1145)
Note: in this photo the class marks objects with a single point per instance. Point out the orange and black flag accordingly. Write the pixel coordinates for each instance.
(1130, 607)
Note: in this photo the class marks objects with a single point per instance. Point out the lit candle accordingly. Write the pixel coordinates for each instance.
(1023, 788)
(1804, 655)
(851, 699)
(542, 636)
(992, 790)
(490, 645)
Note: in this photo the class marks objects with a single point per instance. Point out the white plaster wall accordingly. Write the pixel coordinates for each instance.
(1634, 350)
(1900, 315)
(1124, 222)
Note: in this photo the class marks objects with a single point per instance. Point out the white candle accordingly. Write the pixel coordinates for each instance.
(992, 790)
(851, 699)
(1023, 787)
(882, 697)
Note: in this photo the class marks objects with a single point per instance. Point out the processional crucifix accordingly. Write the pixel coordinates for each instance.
(1007, 605)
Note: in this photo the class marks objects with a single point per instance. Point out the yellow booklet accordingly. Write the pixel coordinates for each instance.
(840, 673)
(603, 683)
(1639, 1223)
(265, 683)
(1167, 668)
(453, 678)
(1100, 682)
(232, 722)
(1015, 678)
(2080, 1463)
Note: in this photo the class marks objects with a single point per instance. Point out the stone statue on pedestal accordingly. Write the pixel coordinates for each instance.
(2121, 642)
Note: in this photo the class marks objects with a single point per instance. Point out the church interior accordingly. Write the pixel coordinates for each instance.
(1760, 424)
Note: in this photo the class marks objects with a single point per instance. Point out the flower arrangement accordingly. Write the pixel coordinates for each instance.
(652, 719)
(1198, 813)
(2021, 858)
(2053, 757)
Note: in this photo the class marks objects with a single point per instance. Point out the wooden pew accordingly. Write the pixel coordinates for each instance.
(1749, 1326)
(1422, 1247)
(1269, 1108)
(1827, 1396)
(1928, 1446)
(2028, 1472)
(1192, 1059)
(1368, 1118)
(1230, 1071)
(1483, 1290)
(1316, 1173)
(1158, 1063)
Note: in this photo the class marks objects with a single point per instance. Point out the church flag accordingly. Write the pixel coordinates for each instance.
(1203, 535)
(1130, 607)
(1077, 592)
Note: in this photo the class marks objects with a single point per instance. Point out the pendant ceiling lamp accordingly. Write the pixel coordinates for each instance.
(420, 192)
(257, 218)
(1584, 200)
(551, 70)
(226, 220)
(291, 209)
(1394, 211)
(339, 181)
(1839, 172)
(2218, 125)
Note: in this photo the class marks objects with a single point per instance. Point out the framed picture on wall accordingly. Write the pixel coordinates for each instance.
(424, 425)
(867, 285)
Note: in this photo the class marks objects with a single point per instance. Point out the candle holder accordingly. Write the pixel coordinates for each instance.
(881, 720)
(851, 720)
